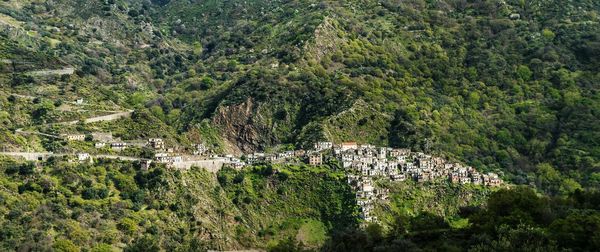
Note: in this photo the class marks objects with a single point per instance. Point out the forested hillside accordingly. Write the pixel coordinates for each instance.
(114, 205)
(505, 86)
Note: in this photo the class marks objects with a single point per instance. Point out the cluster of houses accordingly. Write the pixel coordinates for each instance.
(401, 164)
(367, 195)
(101, 140)
(174, 159)
(365, 162)
(280, 157)
(163, 154)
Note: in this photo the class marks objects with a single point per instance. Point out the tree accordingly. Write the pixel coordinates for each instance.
(62, 245)
(548, 178)
(524, 73)
(519, 206)
(133, 13)
(128, 225)
(403, 130)
(42, 111)
(102, 247)
(146, 243)
(569, 186)
(288, 245)
(579, 231)
(206, 83)
(548, 34)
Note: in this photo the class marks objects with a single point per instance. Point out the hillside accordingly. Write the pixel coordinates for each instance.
(115, 205)
(505, 86)
(462, 79)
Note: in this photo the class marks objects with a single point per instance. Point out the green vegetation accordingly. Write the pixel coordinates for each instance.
(114, 205)
(514, 220)
(439, 198)
(502, 85)
(317, 198)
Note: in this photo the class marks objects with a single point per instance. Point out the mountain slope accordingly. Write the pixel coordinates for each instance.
(464, 79)
(502, 85)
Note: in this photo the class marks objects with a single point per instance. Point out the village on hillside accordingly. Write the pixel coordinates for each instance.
(363, 163)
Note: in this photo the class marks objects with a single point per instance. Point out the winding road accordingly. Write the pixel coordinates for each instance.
(68, 71)
(117, 115)
(212, 165)
(37, 156)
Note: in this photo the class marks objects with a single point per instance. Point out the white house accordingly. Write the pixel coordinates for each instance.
(349, 146)
(320, 146)
(84, 157)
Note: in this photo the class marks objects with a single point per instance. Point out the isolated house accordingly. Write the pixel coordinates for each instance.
(425, 164)
(166, 158)
(74, 137)
(200, 149)
(476, 179)
(118, 146)
(398, 177)
(382, 153)
(82, 157)
(251, 159)
(465, 180)
(238, 165)
(454, 178)
(299, 153)
(156, 143)
(491, 179)
(423, 176)
(145, 164)
(102, 137)
(285, 155)
(270, 157)
(367, 189)
(399, 152)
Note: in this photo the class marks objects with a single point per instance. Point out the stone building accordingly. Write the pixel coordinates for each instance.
(315, 159)
(74, 137)
(320, 146)
(156, 143)
(118, 146)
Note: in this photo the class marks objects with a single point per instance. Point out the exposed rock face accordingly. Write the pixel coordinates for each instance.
(327, 40)
(244, 126)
